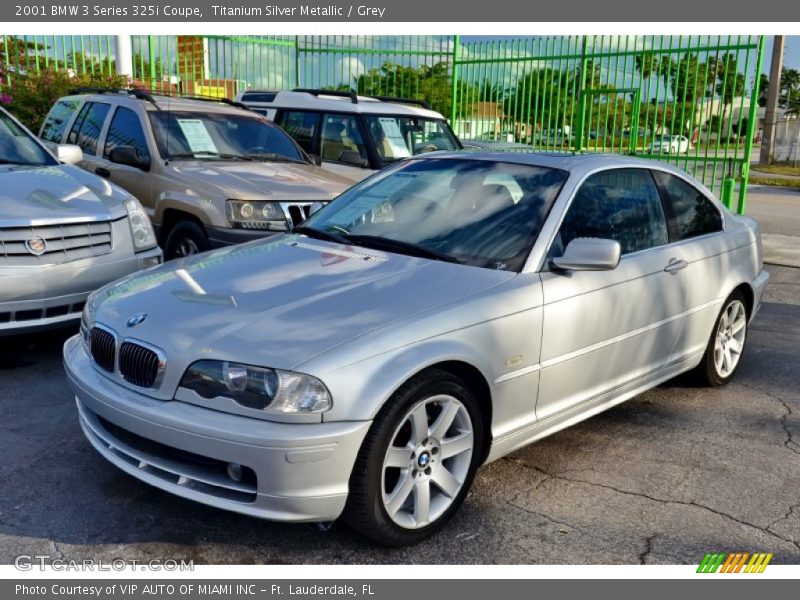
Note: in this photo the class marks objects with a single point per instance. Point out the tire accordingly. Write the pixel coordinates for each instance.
(726, 344)
(387, 503)
(185, 239)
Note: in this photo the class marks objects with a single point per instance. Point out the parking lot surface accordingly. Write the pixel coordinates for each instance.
(662, 478)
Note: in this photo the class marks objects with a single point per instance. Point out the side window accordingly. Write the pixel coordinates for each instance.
(87, 126)
(302, 127)
(126, 130)
(694, 213)
(56, 122)
(618, 204)
(341, 139)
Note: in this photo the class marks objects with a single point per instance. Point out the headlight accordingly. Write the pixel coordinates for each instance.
(256, 215)
(271, 390)
(141, 229)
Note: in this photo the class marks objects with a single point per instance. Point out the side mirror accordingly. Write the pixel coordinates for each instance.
(127, 155)
(315, 207)
(69, 154)
(589, 254)
(316, 159)
(352, 157)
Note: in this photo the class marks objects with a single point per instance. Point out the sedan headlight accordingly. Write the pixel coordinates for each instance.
(255, 214)
(141, 230)
(271, 390)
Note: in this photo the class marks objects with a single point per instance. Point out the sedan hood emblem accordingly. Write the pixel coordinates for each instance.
(36, 246)
(136, 319)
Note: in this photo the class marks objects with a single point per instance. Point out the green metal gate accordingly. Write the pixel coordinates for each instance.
(620, 94)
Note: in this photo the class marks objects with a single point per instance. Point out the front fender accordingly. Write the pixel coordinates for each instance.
(360, 390)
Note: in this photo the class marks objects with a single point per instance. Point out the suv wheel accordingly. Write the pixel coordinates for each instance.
(185, 239)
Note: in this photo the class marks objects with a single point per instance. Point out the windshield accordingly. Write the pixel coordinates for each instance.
(18, 147)
(401, 137)
(215, 136)
(475, 212)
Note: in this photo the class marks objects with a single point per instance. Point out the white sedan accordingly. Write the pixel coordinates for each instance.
(669, 144)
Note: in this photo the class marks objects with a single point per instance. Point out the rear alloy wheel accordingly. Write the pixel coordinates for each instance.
(418, 461)
(725, 348)
(186, 239)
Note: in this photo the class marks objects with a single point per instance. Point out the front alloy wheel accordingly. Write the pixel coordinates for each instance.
(417, 461)
(427, 462)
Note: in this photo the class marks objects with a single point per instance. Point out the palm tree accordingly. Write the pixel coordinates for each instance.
(790, 85)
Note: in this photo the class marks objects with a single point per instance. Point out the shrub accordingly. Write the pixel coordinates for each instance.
(29, 96)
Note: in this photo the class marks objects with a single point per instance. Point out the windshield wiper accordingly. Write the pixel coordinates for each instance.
(272, 156)
(206, 154)
(382, 243)
(320, 234)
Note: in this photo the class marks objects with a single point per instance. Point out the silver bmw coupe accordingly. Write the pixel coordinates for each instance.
(438, 315)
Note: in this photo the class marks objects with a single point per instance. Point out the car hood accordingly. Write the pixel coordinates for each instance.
(57, 193)
(282, 301)
(262, 180)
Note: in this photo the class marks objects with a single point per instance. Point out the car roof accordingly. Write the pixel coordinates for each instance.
(319, 100)
(155, 102)
(578, 164)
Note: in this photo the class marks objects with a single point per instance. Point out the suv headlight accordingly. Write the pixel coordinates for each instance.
(256, 214)
(141, 230)
(271, 390)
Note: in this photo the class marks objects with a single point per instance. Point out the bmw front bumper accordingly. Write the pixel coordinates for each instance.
(299, 472)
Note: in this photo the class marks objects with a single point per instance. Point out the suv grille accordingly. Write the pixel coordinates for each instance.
(299, 213)
(138, 365)
(62, 243)
(103, 346)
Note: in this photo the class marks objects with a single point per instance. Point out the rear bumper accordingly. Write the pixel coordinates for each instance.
(34, 298)
(759, 285)
(301, 470)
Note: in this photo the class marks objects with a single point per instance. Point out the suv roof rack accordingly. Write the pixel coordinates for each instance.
(354, 97)
(227, 101)
(341, 93)
(135, 92)
(414, 101)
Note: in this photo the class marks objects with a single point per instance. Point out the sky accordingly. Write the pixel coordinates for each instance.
(791, 54)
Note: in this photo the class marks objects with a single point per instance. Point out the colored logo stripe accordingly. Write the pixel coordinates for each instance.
(734, 562)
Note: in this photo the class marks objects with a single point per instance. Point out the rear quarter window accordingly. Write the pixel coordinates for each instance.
(57, 120)
(693, 212)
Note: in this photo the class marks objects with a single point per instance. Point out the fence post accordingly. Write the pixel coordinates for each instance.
(581, 99)
(151, 53)
(454, 91)
(123, 53)
(752, 117)
(297, 61)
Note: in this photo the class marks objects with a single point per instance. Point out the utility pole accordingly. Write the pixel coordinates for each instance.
(123, 51)
(768, 137)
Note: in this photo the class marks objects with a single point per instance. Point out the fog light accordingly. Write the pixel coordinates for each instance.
(235, 472)
(151, 261)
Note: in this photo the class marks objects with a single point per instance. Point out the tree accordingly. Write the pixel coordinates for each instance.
(17, 54)
(432, 83)
(790, 86)
(730, 82)
(763, 89)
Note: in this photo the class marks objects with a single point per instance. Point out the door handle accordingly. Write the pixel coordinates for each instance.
(103, 172)
(675, 265)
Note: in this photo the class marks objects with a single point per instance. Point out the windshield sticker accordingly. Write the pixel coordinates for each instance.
(395, 137)
(197, 135)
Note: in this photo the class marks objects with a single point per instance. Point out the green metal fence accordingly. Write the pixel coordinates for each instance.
(688, 100)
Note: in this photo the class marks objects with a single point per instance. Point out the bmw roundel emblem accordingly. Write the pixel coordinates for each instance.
(137, 319)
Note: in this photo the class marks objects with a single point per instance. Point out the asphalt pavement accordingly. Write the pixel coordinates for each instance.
(663, 478)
